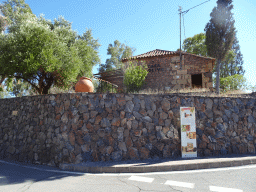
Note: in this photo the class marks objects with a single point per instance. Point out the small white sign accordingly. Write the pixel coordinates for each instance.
(15, 113)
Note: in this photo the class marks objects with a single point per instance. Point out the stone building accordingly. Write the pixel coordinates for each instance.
(165, 72)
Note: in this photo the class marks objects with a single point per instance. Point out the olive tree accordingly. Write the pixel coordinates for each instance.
(46, 54)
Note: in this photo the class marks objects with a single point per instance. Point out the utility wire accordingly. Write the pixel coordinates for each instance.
(184, 12)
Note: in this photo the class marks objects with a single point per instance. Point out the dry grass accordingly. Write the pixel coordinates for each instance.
(197, 92)
(186, 90)
(55, 90)
(236, 92)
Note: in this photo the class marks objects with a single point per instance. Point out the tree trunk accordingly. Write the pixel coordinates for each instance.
(45, 91)
(47, 87)
(218, 77)
(2, 79)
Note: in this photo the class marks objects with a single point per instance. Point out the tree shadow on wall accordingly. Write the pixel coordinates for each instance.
(157, 158)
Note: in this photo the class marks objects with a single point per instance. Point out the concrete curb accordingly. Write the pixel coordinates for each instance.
(181, 165)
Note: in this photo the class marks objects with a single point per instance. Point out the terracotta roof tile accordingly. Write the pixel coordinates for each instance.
(159, 52)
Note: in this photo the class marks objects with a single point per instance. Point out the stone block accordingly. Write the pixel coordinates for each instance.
(144, 153)
(116, 122)
(116, 156)
(209, 131)
(133, 153)
(137, 133)
(182, 72)
(165, 130)
(128, 142)
(176, 77)
(163, 115)
(122, 146)
(205, 138)
(165, 105)
(105, 122)
(121, 101)
(176, 87)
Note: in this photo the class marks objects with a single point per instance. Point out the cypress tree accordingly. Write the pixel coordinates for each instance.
(220, 34)
(233, 63)
(237, 66)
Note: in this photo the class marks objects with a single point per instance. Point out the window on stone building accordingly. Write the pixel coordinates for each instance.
(196, 81)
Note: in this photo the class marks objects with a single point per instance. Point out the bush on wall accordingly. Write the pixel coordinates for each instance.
(134, 76)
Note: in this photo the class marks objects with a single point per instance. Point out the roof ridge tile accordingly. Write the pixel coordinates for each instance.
(159, 52)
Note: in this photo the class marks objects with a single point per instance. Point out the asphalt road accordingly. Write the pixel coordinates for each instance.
(20, 177)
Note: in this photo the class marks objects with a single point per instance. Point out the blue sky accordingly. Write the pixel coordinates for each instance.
(150, 24)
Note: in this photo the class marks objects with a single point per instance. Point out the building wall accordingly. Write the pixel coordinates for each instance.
(114, 77)
(196, 65)
(164, 71)
(81, 127)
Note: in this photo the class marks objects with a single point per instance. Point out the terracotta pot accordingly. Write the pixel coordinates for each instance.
(84, 85)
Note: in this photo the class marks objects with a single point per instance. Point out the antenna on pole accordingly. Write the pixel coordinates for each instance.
(184, 12)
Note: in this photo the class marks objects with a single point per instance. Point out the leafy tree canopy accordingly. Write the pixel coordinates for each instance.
(117, 51)
(7, 16)
(10, 8)
(195, 45)
(232, 63)
(46, 54)
(3, 23)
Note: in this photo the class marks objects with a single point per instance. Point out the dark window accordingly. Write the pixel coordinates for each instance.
(196, 81)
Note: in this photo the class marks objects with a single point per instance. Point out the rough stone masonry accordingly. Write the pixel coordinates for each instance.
(81, 127)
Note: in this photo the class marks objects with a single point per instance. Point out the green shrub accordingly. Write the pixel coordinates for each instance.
(134, 76)
(234, 82)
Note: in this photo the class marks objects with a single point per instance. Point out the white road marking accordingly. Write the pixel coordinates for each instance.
(143, 179)
(180, 184)
(128, 174)
(224, 189)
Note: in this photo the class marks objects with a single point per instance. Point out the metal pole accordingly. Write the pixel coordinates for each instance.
(180, 9)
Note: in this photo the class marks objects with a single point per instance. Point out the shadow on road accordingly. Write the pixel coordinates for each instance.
(19, 173)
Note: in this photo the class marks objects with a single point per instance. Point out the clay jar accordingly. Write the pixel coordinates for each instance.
(84, 85)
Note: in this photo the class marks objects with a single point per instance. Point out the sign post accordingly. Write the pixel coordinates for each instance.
(188, 132)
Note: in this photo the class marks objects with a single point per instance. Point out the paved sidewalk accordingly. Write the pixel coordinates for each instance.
(160, 165)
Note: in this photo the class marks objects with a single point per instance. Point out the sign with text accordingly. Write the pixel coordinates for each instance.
(155, 68)
(188, 132)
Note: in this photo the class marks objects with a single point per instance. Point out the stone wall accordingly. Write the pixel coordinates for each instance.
(80, 127)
